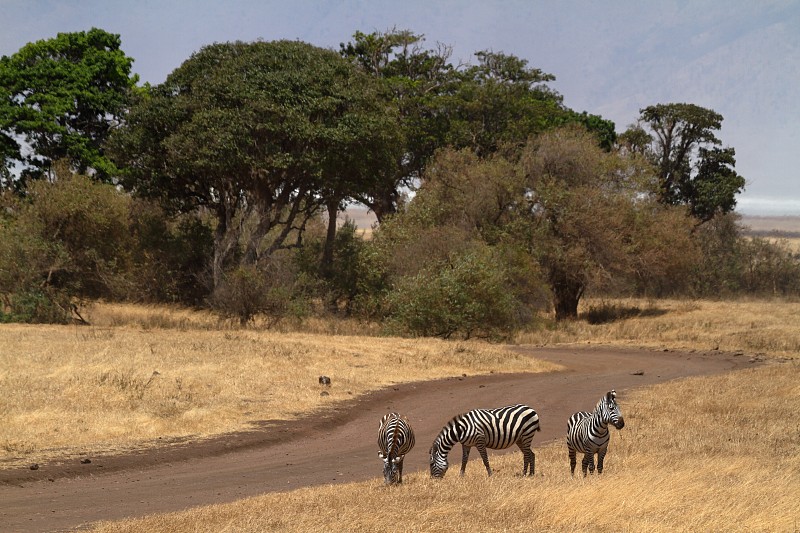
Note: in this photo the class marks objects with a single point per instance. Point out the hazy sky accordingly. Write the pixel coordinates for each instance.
(740, 58)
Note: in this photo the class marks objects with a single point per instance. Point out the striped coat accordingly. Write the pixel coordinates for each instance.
(587, 433)
(395, 440)
(495, 429)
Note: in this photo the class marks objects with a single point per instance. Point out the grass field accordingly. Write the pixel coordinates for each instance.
(717, 453)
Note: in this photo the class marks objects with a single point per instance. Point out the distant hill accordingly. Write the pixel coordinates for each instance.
(763, 226)
(770, 226)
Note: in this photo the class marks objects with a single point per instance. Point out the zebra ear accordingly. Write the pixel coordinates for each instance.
(612, 395)
(397, 460)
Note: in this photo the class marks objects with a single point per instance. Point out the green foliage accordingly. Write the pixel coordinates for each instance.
(75, 238)
(340, 284)
(732, 265)
(691, 169)
(170, 256)
(467, 296)
(266, 132)
(28, 264)
(247, 291)
(90, 222)
(62, 96)
(714, 188)
(67, 239)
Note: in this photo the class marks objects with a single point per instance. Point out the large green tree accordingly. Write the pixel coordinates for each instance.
(693, 170)
(499, 100)
(264, 135)
(413, 79)
(61, 97)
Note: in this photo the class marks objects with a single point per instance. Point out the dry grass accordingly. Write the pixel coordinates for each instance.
(122, 387)
(771, 327)
(718, 453)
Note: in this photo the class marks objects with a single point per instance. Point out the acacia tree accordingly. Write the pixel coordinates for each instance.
(499, 100)
(414, 80)
(262, 134)
(589, 220)
(61, 97)
(692, 168)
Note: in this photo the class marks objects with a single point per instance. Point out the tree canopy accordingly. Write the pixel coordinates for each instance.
(692, 169)
(61, 97)
(262, 133)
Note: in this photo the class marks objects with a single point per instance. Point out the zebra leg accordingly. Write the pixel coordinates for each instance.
(482, 450)
(400, 471)
(601, 454)
(573, 460)
(587, 463)
(528, 458)
(531, 461)
(464, 457)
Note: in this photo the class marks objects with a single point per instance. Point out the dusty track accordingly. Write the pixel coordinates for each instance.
(339, 447)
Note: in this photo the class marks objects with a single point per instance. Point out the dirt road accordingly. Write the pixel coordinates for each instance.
(336, 448)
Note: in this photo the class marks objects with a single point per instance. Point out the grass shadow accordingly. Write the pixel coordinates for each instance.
(606, 313)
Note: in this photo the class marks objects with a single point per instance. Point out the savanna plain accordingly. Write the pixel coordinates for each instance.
(714, 453)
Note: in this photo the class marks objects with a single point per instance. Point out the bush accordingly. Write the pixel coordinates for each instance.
(470, 296)
(732, 264)
(171, 258)
(274, 289)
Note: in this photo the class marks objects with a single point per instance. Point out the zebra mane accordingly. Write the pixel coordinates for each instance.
(444, 434)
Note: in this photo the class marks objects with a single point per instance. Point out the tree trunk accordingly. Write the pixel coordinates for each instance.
(226, 236)
(567, 294)
(330, 238)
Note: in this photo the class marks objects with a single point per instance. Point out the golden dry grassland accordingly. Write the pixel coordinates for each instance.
(123, 383)
(769, 327)
(719, 453)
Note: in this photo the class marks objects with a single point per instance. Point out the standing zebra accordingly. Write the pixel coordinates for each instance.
(395, 440)
(487, 428)
(588, 433)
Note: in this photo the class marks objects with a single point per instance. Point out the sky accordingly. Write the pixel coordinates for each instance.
(740, 58)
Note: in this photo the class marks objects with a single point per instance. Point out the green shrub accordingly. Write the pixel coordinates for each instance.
(469, 296)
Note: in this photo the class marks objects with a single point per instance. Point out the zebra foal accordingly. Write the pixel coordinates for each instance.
(496, 429)
(588, 433)
(395, 440)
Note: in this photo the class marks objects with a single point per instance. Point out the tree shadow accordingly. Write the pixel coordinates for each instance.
(606, 313)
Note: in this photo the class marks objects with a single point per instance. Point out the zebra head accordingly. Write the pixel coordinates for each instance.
(438, 460)
(609, 410)
(391, 470)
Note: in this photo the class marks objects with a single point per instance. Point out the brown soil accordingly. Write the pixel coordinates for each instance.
(335, 447)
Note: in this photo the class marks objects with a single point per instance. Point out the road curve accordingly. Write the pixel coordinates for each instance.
(337, 447)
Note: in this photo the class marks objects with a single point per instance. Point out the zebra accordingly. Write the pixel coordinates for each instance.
(496, 429)
(395, 440)
(588, 433)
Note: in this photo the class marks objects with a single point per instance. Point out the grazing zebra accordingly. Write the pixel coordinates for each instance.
(588, 433)
(395, 440)
(487, 428)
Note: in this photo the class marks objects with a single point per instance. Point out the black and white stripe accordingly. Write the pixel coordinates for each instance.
(496, 429)
(395, 440)
(588, 433)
